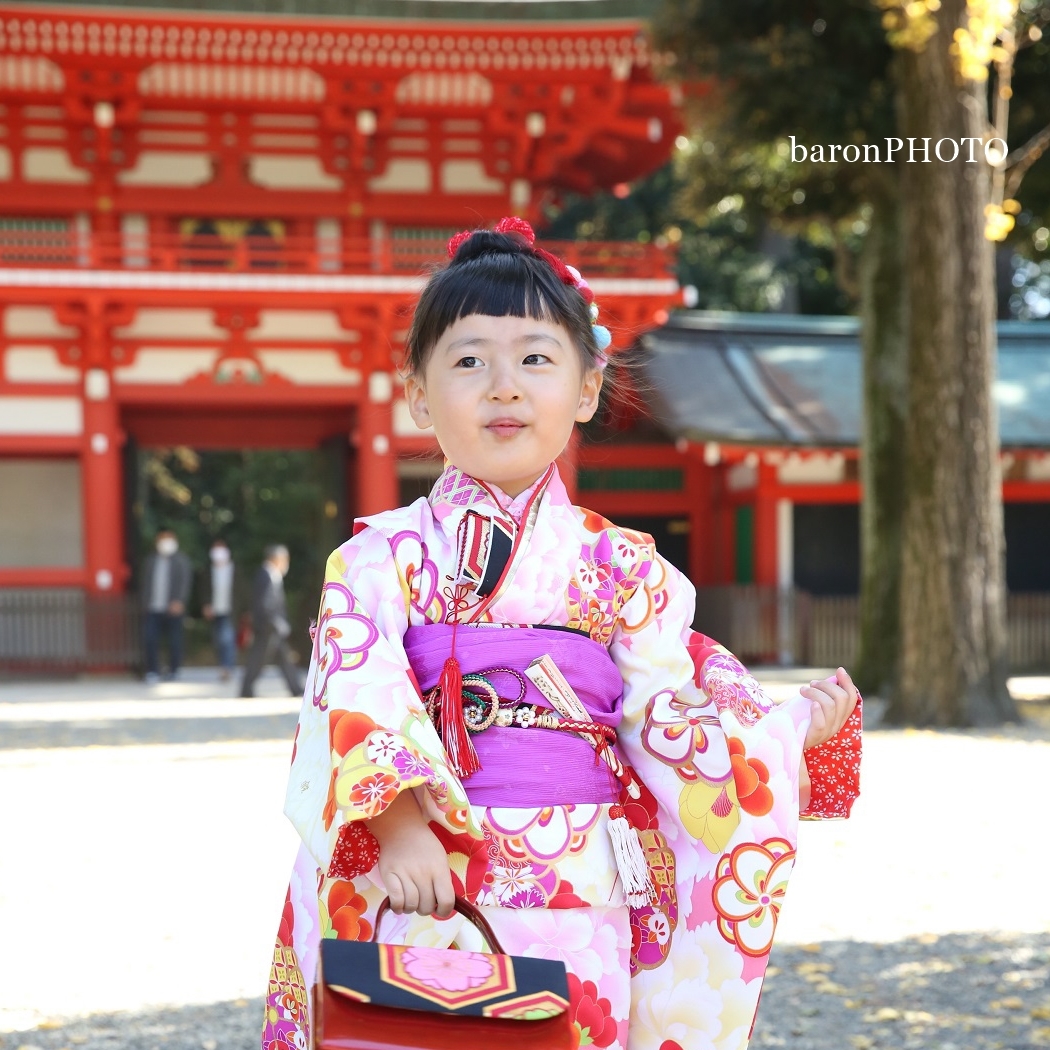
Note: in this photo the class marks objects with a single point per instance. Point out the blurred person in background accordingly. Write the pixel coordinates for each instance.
(270, 625)
(166, 579)
(219, 605)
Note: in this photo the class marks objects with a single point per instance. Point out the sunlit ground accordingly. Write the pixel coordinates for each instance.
(151, 875)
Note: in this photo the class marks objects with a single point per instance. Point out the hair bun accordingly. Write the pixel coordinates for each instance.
(464, 248)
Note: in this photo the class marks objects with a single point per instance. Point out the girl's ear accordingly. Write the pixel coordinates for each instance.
(592, 388)
(416, 398)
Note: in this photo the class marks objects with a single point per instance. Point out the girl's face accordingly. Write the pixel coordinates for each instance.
(502, 394)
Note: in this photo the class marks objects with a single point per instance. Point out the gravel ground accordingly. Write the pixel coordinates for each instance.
(923, 922)
(958, 992)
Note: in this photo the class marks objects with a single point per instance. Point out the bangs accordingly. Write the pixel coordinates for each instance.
(496, 285)
(494, 294)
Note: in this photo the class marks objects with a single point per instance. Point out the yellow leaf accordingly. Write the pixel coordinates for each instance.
(883, 1014)
(830, 988)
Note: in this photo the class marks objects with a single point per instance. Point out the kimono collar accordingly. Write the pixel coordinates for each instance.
(455, 492)
(489, 530)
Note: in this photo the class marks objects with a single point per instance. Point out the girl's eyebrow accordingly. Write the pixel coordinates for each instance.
(477, 340)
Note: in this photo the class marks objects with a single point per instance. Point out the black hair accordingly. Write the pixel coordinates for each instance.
(498, 275)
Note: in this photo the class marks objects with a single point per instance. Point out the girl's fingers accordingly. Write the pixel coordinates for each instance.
(396, 894)
(445, 896)
(425, 902)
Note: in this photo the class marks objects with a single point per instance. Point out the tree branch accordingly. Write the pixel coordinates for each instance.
(1022, 158)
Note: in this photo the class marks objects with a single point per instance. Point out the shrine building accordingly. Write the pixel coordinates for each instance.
(213, 227)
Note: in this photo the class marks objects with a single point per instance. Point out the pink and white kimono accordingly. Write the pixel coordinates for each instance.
(528, 840)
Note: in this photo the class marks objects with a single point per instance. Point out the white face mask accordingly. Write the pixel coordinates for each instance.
(167, 546)
(220, 555)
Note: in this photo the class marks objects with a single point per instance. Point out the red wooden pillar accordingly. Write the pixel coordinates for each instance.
(701, 520)
(103, 486)
(766, 526)
(376, 463)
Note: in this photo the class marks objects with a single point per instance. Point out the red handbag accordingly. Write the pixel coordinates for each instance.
(373, 996)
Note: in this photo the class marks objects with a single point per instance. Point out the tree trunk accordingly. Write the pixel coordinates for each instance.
(953, 622)
(885, 351)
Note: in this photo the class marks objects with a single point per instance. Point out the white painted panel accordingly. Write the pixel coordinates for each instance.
(468, 176)
(168, 365)
(309, 367)
(40, 514)
(299, 324)
(33, 321)
(1038, 468)
(51, 164)
(785, 543)
(741, 476)
(291, 173)
(37, 364)
(41, 416)
(403, 175)
(818, 468)
(167, 168)
(152, 323)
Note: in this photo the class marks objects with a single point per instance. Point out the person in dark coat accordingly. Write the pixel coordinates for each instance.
(270, 624)
(166, 579)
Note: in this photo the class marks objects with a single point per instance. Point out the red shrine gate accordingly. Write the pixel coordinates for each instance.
(212, 230)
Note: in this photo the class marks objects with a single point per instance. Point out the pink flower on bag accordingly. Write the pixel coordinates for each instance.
(448, 971)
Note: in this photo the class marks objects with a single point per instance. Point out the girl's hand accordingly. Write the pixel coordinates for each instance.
(412, 862)
(832, 701)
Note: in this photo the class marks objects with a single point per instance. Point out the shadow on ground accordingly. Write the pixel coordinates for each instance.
(958, 992)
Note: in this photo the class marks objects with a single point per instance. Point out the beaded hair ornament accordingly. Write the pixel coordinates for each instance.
(566, 274)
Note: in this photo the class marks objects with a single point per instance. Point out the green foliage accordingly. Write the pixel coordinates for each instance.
(251, 499)
(1029, 114)
(728, 253)
(778, 67)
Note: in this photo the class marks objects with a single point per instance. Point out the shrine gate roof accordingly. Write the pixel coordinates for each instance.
(558, 104)
(776, 380)
(415, 10)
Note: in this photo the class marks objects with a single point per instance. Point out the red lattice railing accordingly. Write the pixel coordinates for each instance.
(137, 251)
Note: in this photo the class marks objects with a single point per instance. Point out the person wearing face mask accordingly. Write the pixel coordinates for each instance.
(166, 580)
(218, 605)
(270, 624)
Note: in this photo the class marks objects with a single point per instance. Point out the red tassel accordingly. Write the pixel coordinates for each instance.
(461, 754)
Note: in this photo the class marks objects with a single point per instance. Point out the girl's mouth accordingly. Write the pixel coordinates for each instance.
(504, 427)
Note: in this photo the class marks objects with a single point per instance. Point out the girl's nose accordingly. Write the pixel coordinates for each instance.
(504, 386)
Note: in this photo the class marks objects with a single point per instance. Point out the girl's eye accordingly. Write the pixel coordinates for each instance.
(468, 362)
(536, 359)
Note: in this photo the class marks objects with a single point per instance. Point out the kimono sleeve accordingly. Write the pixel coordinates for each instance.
(364, 734)
(714, 747)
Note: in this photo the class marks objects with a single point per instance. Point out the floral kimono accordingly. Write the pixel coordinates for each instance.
(718, 763)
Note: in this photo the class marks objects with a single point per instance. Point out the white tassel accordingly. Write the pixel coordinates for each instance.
(630, 860)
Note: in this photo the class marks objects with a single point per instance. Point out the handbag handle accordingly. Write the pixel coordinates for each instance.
(466, 909)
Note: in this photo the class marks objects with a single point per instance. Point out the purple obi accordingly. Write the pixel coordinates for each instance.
(528, 767)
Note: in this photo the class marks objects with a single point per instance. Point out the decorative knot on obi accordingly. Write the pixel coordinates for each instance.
(551, 764)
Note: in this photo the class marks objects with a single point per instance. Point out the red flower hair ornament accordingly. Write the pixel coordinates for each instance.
(566, 274)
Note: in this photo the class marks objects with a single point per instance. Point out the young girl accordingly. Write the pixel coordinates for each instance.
(427, 763)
